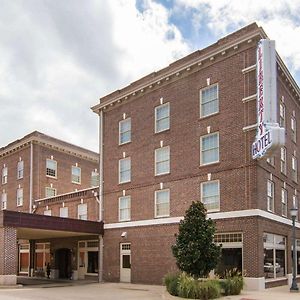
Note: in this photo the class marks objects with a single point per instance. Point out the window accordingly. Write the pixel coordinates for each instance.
(271, 160)
(47, 212)
(294, 169)
(124, 208)
(162, 161)
(283, 160)
(51, 168)
(294, 129)
(274, 255)
(210, 195)
(209, 101)
(162, 117)
(20, 196)
(295, 205)
(94, 179)
(50, 192)
(82, 211)
(4, 175)
(281, 115)
(125, 131)
(125, 170)
(63, 212)
(209, 146)
(284, 202)
(162, 203)
(270, 195)
(4, 200)
(20, 169)
(76, 174)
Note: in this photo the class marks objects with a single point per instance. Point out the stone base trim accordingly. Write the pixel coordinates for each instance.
(254, 284)
(8, 279)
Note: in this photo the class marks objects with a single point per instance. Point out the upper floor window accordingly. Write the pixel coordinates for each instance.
(283, 160)
(162, 203)
(284, 202)
(162, 161)
(20, 169)
(124, 208)
(4, 175)
(76, 174)
(271, 160)
(125, 131)
(51, 168)
(125, 170)
(82, 211)
(20, 196)
(281, 115)
(210, 195)
(63, 212)
(162, 117)
(50, 192)
(295, 204)
(209, 101)
(270, 195)
(294, 129)
(294, 169)
(4, 200)
(47, 212)
(209, 145)
(94, 179)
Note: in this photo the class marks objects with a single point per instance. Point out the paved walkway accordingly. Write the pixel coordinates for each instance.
(113, 291)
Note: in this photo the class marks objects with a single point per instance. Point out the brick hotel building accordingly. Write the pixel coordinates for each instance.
(179, 135)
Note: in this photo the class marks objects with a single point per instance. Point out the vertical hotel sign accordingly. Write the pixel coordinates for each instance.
(269, 136)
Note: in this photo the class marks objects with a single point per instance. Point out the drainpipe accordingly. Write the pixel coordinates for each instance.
(31, 179)
(100, 256)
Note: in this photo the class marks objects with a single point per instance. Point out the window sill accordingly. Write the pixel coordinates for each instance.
(208, 116)
(162, 174)
(124, 221)
(213, 211)
(209, 164)
(160, 217)
(125, 143)
(53, 177)
(124, 182)
(78, 183)
(165, 130)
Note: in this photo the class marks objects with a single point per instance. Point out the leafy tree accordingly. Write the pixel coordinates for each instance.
(195, 251)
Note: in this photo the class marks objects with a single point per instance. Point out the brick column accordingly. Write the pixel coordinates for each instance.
(31, 257)
(8, 256)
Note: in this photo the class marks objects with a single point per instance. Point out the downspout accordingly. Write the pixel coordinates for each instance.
(31, 178)
(100, 200)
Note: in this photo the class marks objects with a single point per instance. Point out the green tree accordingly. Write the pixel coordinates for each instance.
(195, 251)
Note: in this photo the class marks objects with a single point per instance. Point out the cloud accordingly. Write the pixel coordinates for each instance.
(279, 18)
(58, 57)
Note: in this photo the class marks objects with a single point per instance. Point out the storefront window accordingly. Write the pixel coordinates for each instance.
(92, 262)
(274, 256)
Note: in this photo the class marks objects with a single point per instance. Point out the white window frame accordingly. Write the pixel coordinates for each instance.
(48, 189)
(283, 160)
(127, 209)
(20, 169)
(80, 210)
(94, 179)
(271, 160)
(270, 196)
(20, 195)
(120, 173)
(294, 168)
(294, 129)
(123, 132)
(282, 114)
(62, 212)
(201, 91)
(74, 177)
(4, 175)
(157, 120)
(4, 200)
(156, 205)
(284, 201)
(201, 151)
(295, 204)
(47, 212)
(202, 193)
(55, 169)
(166, 148)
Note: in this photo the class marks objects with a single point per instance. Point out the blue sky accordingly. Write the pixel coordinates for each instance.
(59, 56)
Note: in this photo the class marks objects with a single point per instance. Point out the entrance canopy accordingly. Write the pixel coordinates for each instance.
(32, 226)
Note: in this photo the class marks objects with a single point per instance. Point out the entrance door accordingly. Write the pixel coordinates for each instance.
(125, 262)
(63, 262)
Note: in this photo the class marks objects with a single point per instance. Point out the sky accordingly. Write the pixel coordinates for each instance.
(58, 57)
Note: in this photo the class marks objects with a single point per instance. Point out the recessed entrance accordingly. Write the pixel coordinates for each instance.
(63, 262)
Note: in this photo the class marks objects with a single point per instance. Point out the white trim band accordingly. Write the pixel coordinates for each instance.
(249, 98)
(213, 216)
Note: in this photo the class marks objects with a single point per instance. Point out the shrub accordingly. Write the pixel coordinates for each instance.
(171, 283)
(233, 282)
(209, 289)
